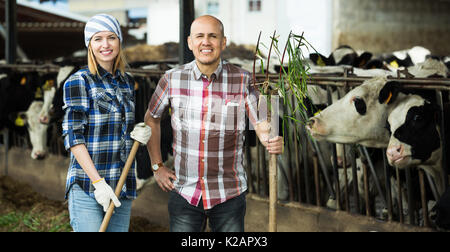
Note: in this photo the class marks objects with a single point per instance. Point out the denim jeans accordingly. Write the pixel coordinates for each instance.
(86, 215)
(225, 217)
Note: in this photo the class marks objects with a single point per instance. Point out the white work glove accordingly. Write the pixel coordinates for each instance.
(141, 133)
(104, 194)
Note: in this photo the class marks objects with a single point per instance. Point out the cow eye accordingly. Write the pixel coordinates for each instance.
(360, 105)
(417, 118)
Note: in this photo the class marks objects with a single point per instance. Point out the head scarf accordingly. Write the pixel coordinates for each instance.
(99, 23)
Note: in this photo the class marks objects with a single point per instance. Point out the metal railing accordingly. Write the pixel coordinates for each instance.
(310, 181)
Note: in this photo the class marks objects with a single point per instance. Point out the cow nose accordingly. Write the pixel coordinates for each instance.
(312, 121)
(38, 155)
(43, 119)
(394, 152)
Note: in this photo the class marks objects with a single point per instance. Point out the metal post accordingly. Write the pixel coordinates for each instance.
(187, 14)
(11, 31)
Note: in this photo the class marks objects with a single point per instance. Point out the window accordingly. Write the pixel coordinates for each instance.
(213, 8)
(254, 5)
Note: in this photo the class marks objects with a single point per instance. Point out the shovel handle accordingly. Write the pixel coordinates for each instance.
(120, 184)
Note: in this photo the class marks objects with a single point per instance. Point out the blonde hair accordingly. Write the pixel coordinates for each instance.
(120, 62)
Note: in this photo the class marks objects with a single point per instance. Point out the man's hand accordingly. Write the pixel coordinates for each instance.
(104, 194)
(273, 145)
(165, 177)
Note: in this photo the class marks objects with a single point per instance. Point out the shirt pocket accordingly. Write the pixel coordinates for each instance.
(104, 103)
(235, 113)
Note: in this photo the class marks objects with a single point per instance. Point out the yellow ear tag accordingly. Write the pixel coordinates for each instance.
(48, 85)
(318, 112)
(320, 62)
(38, 93)
(19, 122)
(389, 98)
(23, 81)
(394, 64)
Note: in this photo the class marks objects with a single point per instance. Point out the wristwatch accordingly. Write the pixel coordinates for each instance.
(155, 167)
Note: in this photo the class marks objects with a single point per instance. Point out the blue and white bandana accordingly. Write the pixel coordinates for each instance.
(99, 23)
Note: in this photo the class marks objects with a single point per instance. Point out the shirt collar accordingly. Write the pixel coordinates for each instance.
(198, 74)
(103, 73)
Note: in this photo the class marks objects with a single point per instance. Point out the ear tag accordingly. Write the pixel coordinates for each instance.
(38, 94)
(394, 64)
(19, 122)
(318, 112)
(389, 98)
(320, 62)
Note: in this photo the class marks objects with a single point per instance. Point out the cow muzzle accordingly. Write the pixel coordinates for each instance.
(396, 155)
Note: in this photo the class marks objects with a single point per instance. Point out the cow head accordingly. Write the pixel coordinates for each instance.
(36, 130)
(415, 139)
(359, 117)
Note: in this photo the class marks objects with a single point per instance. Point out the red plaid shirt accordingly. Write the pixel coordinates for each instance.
(208, 122)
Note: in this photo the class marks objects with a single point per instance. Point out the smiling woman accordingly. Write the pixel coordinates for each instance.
(99, 116)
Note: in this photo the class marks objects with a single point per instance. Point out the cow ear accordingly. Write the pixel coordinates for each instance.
(319, 59)
(389, 92)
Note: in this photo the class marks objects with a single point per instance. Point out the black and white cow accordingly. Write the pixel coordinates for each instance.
(358, 117)
(415, 140)
(343, 55)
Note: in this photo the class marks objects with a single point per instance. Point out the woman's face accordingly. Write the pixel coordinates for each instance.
(105, 47)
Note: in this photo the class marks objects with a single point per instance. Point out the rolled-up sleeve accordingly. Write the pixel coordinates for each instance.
(160, 98)
(76, 108)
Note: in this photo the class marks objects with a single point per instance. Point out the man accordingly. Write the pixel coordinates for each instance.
(208, 99)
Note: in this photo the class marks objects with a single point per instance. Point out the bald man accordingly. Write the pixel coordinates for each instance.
(209, 99)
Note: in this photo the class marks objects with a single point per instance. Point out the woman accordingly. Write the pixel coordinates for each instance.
(99, 116)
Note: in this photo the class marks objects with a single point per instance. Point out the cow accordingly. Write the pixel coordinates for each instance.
(358, 117)
(343, 55)
(415, 139)
(36, 129)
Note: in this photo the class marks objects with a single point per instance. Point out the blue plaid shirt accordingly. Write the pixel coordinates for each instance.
(99, 112)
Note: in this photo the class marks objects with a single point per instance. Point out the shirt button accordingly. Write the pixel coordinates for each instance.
(203, 160)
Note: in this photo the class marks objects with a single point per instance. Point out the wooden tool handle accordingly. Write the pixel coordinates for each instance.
(120, 184)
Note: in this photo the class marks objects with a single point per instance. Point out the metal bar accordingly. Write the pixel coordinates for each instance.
(374, 174)
(423, 198)
(187, 14)
(411, 202)
(387, 181)
(316, 178)
(366, 189)
(399, 196)
(304, 140)
(443, 142)
(324, 168)
(334, 163)
(11, 31)
(355, 178)
(344, 167)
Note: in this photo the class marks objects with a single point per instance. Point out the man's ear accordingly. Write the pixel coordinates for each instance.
(224, 43)
(189, 42)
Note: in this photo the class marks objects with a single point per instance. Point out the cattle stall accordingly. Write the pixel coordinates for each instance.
(308, 171)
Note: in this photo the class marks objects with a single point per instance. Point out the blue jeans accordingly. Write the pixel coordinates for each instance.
(225, 217)
(86, 215)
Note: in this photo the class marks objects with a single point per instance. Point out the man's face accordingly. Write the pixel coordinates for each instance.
(206, 41)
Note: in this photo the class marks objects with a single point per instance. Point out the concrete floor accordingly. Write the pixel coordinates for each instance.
(48, 177)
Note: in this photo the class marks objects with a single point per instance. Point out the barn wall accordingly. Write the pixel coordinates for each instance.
(390, 25)
(48, 178)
